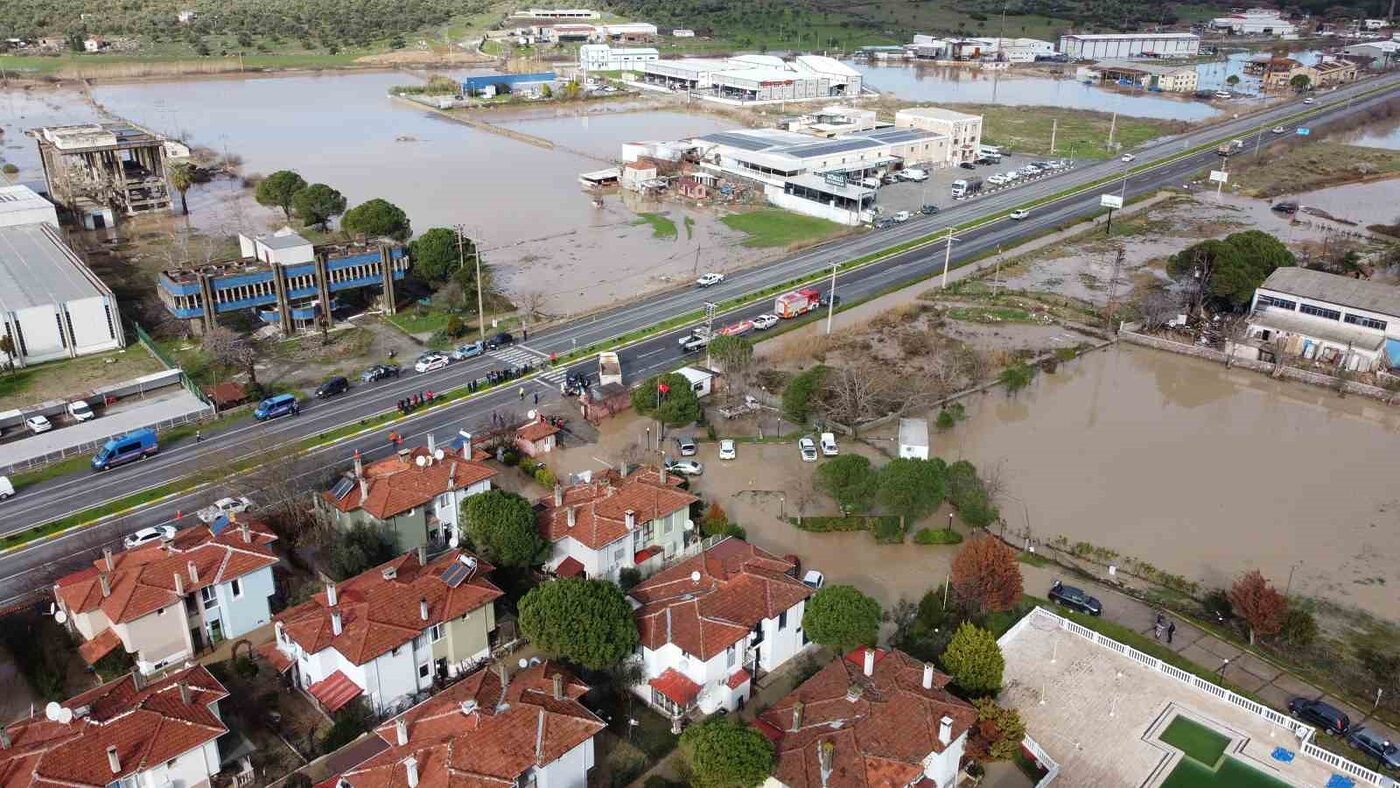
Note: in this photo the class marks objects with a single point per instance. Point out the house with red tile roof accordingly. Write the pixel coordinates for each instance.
(388, 632)
(416, 494)
(164, 601)
(713, 623)
(123, 733)
(614, 522)
(873, 717)
(489, 729)
(535, 438)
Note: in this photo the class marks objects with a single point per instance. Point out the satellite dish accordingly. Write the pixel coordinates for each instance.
(531, 414)
(695, 577)
(439, 454)
(421, 461)
(65, 715)
(51, 711)
(453, 541)
(524, 663)
(689, 526)
(534, 660)
(60, 616)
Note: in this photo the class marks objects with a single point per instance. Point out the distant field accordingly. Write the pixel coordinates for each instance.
(1080, 134)
(1304, 166)
(774, 227)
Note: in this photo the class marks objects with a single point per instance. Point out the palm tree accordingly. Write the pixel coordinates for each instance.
(182, 178)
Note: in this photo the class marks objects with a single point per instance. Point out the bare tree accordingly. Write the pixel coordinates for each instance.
(531, 303)
(230, 349)
(856, 393)
(1158, 306)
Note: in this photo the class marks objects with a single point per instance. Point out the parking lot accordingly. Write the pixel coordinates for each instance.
(937, 190)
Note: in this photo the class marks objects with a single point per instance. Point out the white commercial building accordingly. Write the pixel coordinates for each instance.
(1078, 46)
(844, 80)
(834, 120)
(51, 304)
(1322, 317)
(964, 131)
(1383, 54)
(1015, 50)
(556, 13)
(627, 30)
(757, 78)
(1256, 22)
(22, 205)
(601, 57)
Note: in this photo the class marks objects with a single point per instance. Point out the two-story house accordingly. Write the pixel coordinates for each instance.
(388, 632)
(710, 624)
(123, 734)
(615, 522)
(416, 494)
(164, 601)
(872, 717)
(489, 729)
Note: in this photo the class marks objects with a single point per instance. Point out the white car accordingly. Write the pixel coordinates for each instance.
(814, 579)
(1308, 100)
(148, 535)
(901, 217)
(916, 175)
(7, 487)
(808, 447)
(80, 411)
(726, 450)
(765, 322)
(707, 280)
(38, 424)
(828, 443)
(1020, 213)
(1277, 130)
(1128, 157)
(431, 361)
(996, 180)
(224, 506)
(685, 467)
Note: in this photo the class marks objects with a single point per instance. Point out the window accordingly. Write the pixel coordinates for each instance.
(1365, 322)
(731, 655)
(1319, 311)
(1275, 301)
(782, 620)
(424, 670)
(236, 586)
(435, 633)
(206, 595)
(617, 555)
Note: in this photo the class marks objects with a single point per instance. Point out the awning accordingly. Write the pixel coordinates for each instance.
(739, 679)
(569, 567)
(100, 646)
(676, 686)
(334, 691)
(280, 662)
(642, 556)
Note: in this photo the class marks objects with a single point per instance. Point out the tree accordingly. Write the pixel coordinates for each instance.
(1227, 271)
(1259, 604)
(974, 660)
(501, 526)
(317, 204)
(968, 493)
(911, 488)
(850, 480)
(278, 189)
(842, 617)
(799, 393)
(722, 752)
(377, 218)
(734, 354)
(1300, 82)
(360, 548)
(435, 254)
(182, 178)
(998, 733)
(1232, 80)
(985, 575)
(667, 398)
(7, 347)
(584, 621)
(233, 350)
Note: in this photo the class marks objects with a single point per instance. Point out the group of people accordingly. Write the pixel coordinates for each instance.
(408, 404)
(499, 376)
(1161, 626)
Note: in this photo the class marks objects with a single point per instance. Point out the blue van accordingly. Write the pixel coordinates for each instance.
(280, 405)
(125, 448)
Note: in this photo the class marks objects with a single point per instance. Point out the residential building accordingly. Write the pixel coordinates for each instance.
(638, 175)
(388, 633)
(1378, 54)
(556, 13)
(92, 169)
(164, 601)
(963, 131)
(833, 120)
(871, 717)
(614, 522)
(712, 624)
(52, 305)
(536, 438)
(126, 733)
(285, 279)
(1335, 320)
(1255, 22)
(489, 729)
(1331, 72)
(601, 57)
(1097, 46)
(913, 439)
(22, 205)
(1149, 76)
(415, 495)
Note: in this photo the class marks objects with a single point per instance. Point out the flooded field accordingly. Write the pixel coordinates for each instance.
(1379, 134)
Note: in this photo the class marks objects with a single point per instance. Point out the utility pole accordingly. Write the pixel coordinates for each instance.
(480, 296)
(831, 298)
(1054, 127)
(709, 331)
(1112, 127)
(1258, 137)
(948, 256)
(1113, 286)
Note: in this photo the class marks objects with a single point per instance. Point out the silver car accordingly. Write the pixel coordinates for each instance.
(808, 447)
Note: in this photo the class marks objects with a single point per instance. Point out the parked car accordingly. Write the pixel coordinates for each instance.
(929, 210)
(148, 535)
(1019, 214)
(1325, 716)
(379, 372)
(1128, 157)
(80, 410)
(883, 222)
(37, 424)
(726, 449)
(469, 350)
(135, 445)
(915, 174)
(1376, 746)
(901, 217)
(814, 579)
(1276, 130)
(997, 180)
(276, 407)
(765, 321)
(827, 300)
(828, 444)
(332, 387)
(224, 507)
(870, 183)
(808, 448)
(431, 361)
(1287, 206)
(685, 444)
(967, 165)
(1074, 599)
(7, 488)
(685, 467)
(500, 340)
(709, 279)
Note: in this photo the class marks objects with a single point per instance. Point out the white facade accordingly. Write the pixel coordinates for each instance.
(193, 768)
(1381, 53)
(387, 680)
(913, 439)
(1256, 22)
(964, 131)
(284, 247)
(1335, 320)
(700, 380)
(569, 770)
(22, 205)
(601, 57)
(448, 506)
(556, 13)
(607, 562)
(846, 80)
(1078, 46)
(1015, 50)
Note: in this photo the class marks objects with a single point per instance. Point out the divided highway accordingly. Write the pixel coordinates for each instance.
(33, 567)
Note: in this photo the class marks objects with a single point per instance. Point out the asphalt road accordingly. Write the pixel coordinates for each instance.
(34, 567)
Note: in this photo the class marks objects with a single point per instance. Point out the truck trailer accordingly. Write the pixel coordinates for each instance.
(966, 187)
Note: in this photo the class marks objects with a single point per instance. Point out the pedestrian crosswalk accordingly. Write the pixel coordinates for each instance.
(521, 355)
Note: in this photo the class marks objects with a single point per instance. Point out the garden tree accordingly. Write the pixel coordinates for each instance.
(734, 354)
(233, 350)
(377, 218)
(1300, 82)
(910, 488)
(974, 660)
(278, 189)
(724, 752)
(799, 394)
(360, 548)
(859, 392)
(997, 734)
(985, 575)
(588, 622)
(969, 494)
(1225, 272)
(317, 204)
(1232, 80)
(850, 480)
(1260, 604)
(501, 526)
(667, 398)
(182, 178)
(7, 347)
(841, 617)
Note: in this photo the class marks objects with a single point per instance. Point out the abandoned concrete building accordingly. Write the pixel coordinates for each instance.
(95, 169)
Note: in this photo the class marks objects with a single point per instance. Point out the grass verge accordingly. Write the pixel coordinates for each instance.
(775, 227)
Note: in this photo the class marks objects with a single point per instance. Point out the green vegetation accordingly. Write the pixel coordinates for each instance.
(377, 218)
(501, 526)
(1196, 740)
(722, 753)
(661, 226)
(317, 204)
(773, 227)
(668, 398)
(968, 494)
(1017, 376)
(799, 394)
(937, 536)
(842, 617)
(1228, 270)
(360, 548)
(850, 522)
(989, 314)
(587, 622)
(910, 489)
(1298, 168)
(1078, 134)
(850, 480)
(974, 660)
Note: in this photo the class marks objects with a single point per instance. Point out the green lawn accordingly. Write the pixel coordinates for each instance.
(1196, 740)
(661, 226)
(990, 314)
(773, 227)
(1078, 134)
(1231, 774)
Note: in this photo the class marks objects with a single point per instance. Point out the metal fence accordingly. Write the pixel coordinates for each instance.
(1050, 765)
(89, 448)
(164, 358)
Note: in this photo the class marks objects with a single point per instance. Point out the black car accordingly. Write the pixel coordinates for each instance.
(379, 372)
(1286, 207)
(929, 210)
(500, 340)
(883, 222)
(1376, 746)
(1325, 716)
(332, 387)
(1074, 599)
(967, 165)
(830, 300)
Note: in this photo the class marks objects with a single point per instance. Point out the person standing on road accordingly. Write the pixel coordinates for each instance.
(1171, 630)
(524, 334)
(522, 393)
(198, 436)
(537, 398)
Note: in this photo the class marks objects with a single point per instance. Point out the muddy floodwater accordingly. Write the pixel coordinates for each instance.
(1202, 471)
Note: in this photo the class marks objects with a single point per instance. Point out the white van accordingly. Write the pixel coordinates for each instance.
(917, 175)
(828, 443)
(6, 488)
(80, 410)
(871, 183)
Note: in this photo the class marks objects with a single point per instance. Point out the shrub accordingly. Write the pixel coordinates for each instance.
(626, 763)
(10, 169)
(1299, 627)
(944, 421)
(800, 391)
(628, 578)
(546, 477)
(888, 530)
(974, 660)
(1016, 377)
(1064, 353)
(937, 536)
(841, 617)
(510, 458)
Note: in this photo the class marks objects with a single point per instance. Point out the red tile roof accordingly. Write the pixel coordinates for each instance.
(100, 646)
(677, 686)
(570, 567)
(600, 507)
(880, 728)
(739, 679)
(739, 585)
(147, 725)
(536, 431)
(142, 580)
(381, 609)
(398, 483)
(280, 662)
(478, 733)
(334, 691)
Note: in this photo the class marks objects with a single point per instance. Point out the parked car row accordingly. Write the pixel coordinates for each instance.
(77, 410)
(1030, 171)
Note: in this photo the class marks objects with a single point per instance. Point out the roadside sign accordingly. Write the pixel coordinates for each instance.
(1303, 131)
(1219, 176)
(1110, 201)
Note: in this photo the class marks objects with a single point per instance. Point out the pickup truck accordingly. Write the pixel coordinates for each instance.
(1227, 148)
(698, 334)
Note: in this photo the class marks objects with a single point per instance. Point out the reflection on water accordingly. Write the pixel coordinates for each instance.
(1379, 134)
(27, 109)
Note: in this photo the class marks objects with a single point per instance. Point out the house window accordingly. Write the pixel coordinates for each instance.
(435, 633)
(1365, 322)
(782, 620)
(617, 555)
(424, 670)
(1318, 311)
(1275, 301)
(236, 586)
(206, 595)
(731, 655)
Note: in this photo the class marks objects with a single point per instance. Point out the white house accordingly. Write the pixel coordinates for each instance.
(869, 709)
(701, 380)
(388, 632)
(601, 57)
(913, 439)
(1322, 317)
(712, 624)
(491, 728)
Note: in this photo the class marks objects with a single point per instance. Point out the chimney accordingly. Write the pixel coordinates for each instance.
(826, 757)
(558, 686)
(797, 707)
(331, 597)
(194, 572)
(106, 584)
(336, 627)
(869, 661)
(389, 572)
(185, 692)
(432, 445)
(558, 495)
(107, 559)
(422, 555)
(410, 765)
(854, 693)
(247, 532)
(364, 490)
(466, 444)
(928, 675)
(945, 730)
(113, 761)
(401, 730)
(359, 466)
(138, 679)
(630, 517)
(423, 609)
(572, 516)
(503, 673)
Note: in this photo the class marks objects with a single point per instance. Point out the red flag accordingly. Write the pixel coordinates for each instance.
(663, 388)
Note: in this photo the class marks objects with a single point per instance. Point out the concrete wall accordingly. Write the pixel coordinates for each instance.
(776, 196)
(157, 636)
(569, 770)
(248, 611)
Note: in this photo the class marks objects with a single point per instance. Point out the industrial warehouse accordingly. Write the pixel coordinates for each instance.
(755, 79)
